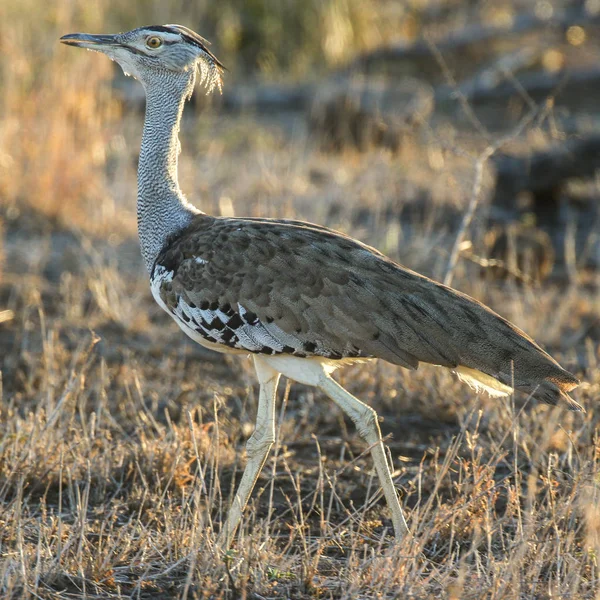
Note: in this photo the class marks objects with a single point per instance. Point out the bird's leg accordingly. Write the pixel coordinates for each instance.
(365, 419)
(257, 447)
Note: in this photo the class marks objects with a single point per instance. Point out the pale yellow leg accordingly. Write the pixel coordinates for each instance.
(365, 419)
(257, 447)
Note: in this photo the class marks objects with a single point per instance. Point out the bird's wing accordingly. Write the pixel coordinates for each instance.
(290, 287)
(275, 287)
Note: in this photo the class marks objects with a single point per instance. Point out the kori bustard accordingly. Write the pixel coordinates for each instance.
(302, 299)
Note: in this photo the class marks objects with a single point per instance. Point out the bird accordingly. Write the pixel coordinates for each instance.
(303, 300)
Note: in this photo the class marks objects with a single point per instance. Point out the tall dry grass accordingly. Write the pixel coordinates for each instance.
(56, 118)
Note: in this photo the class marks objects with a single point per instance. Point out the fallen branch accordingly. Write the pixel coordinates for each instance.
(476, 40)
(543, 173)
(366, 112)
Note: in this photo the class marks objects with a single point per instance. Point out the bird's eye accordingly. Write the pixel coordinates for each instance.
(154, 42)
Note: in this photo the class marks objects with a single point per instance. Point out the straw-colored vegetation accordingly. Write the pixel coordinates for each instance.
(121, 442)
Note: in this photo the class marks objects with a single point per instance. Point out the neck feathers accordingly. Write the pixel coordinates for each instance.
(162, 208)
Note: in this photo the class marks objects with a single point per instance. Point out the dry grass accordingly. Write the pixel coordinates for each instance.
(121, 442)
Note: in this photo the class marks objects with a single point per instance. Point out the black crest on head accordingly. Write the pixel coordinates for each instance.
(190, 36)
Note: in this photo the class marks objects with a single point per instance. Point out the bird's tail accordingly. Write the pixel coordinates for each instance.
(552, 391)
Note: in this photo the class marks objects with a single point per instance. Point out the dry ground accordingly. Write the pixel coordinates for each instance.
(121, 442)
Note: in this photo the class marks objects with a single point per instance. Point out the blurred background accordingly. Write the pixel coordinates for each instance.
(460, 137)
(367, 116)
(364, 115)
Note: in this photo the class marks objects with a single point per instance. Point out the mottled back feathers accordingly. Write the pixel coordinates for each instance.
(276, 286)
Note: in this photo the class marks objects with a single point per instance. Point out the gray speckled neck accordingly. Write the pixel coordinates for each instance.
(162, 209)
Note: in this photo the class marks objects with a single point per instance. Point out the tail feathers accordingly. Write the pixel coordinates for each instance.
(555, 393)
(551, 392)
(482, 382)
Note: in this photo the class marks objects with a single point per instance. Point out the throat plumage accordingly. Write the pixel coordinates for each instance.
(162, 209)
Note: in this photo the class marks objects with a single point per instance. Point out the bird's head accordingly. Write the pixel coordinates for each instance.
(156, 53)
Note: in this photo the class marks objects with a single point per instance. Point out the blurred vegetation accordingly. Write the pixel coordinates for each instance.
(279, 38)
(50, 121)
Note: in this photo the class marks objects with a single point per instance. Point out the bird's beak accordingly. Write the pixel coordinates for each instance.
(88, 40)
